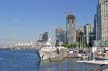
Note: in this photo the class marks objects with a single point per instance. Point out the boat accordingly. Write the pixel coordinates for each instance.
(96, 65)
(101, 53)
(50, 52)
(60, 54)
(47, 51)
(101, 58)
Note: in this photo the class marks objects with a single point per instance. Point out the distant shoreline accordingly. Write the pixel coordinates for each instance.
(5, 49)
(18, 49)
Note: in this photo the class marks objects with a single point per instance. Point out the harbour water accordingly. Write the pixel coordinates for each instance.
(28, 60)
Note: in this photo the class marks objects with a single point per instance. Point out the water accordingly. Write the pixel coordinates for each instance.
(26, 60)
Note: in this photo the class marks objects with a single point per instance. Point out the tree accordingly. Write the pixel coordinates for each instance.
(65, 44)
(73, 45)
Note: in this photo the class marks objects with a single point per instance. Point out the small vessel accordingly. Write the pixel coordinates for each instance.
(101, 65)
(96, 65)
(101, 53)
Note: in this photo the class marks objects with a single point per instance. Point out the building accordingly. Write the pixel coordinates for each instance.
(88, 34)
(81, 29)
(95, 30)
(70, 29)
(102, 20)
(77, 35)
(44, 37)
(78, 38)
(60, 36)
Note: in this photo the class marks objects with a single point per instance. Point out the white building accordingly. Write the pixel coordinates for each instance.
(102, 20)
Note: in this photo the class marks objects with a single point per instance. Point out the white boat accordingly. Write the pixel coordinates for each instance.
(96, 65)
(49, 51)
(46, 52)
(101, 53)
(101, 58)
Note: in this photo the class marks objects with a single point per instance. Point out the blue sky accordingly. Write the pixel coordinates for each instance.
(26, 19)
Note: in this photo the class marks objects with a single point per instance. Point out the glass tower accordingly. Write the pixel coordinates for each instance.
(102, 20)
(71, 29)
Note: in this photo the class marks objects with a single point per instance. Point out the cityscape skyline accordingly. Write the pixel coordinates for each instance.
(24, 20)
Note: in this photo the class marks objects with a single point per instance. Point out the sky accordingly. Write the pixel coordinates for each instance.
(26, 19)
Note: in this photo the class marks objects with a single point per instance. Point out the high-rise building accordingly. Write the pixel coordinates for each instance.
(80, 37)
(70, 29)
(102, 20)
(77, 35)
(81, 29)
(88, 28)
(45, 36)
(63, 36)
(60, 36)
(88, 34)
(95, 27)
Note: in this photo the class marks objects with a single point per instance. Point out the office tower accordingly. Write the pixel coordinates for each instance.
(88, 34)
(70, 29)
(95, 30)
(60, 35)
(45, 36)
(102, 20)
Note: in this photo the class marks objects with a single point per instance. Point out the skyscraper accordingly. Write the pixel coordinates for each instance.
(60, 36)
(70, 29)
(102, 20)
(88, 34)
(45, 36)
(95, 27)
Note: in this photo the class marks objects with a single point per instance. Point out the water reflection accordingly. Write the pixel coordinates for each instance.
(66, 65)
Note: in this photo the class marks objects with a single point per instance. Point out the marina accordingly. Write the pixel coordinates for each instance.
(54, 35)
(27, 60)
(49, 57)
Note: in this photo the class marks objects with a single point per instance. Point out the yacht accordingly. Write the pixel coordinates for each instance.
(96, 65)
(101, 53)
(47, 51)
